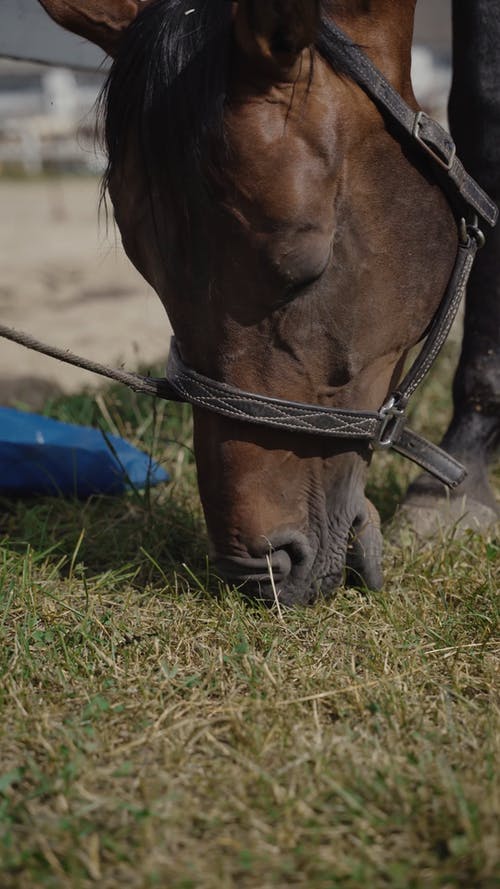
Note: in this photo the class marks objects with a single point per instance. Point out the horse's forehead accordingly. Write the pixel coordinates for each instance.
(281, 112)
(286, 141)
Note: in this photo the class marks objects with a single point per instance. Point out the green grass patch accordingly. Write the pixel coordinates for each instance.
(156, 731)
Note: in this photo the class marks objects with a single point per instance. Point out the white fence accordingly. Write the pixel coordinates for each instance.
(46, 114)
(47, 119)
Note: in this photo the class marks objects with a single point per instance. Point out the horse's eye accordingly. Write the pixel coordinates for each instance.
(297, 288)
(285, 298)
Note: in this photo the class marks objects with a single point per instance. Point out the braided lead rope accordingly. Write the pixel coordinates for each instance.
(136, 382)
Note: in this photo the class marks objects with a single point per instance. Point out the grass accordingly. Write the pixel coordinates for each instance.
(155, 731)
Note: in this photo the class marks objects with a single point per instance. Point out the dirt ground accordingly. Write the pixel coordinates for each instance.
(66, 281)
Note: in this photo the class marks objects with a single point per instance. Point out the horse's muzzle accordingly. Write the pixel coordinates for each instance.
(286, 568)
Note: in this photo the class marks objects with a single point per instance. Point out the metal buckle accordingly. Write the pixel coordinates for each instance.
(445, 162)
(393, 421)
(470, 230)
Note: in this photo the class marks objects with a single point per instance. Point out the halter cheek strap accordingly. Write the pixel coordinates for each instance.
(427, 134)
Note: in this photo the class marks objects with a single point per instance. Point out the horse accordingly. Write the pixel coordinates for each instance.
(301, 245)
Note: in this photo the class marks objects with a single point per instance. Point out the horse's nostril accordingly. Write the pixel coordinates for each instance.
(287, 555)
(279, 565)
(297, 548)
(275, 565)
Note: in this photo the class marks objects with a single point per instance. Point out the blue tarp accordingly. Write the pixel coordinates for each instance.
(43, 456)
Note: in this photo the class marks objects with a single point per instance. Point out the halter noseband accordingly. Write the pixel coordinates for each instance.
(386, 428)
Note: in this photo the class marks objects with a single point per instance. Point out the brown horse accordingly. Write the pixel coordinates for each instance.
(301, 250)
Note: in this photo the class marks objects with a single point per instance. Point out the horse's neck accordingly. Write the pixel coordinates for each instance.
(384, 29)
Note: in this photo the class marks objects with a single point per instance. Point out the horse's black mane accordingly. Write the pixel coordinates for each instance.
(168, 87)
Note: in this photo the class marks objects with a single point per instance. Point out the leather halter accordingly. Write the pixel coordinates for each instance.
(384, 429)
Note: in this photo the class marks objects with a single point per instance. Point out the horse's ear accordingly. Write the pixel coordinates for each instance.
(276, 31)
(100, 21)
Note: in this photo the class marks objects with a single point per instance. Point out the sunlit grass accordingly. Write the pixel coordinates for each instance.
(155, 730)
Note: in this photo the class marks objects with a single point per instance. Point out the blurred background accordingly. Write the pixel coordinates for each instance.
(63, 277)
(47, 119)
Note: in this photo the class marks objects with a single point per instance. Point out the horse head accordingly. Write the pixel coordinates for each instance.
(299, 249)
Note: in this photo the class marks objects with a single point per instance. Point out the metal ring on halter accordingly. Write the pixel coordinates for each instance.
(393, 420)
(469, 230)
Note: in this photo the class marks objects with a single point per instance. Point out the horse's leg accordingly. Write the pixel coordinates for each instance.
(474, 434)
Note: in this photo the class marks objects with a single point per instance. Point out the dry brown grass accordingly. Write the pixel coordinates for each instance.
(157, 731)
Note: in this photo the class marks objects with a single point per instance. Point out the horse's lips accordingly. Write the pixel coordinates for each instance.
(273, 577)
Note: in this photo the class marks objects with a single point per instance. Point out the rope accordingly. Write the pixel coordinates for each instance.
(136, 382)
